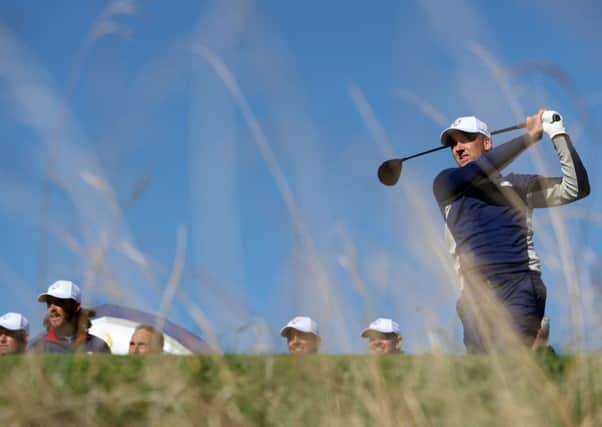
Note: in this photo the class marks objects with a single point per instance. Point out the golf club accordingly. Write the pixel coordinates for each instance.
(390, 170)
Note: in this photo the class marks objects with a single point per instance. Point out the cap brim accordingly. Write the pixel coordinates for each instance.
(366, 331)
(284, 331)
(445, 135)
(44, 297)
(444, 138)
(13, 329)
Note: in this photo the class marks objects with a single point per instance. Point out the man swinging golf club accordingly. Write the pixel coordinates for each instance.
(489, 226)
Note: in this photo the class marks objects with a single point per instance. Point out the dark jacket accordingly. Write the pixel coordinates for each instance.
(80, 342)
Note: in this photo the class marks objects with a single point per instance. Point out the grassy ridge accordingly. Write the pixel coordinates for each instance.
(300, 391)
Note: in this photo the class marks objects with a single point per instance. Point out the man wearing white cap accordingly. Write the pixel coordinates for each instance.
(67, 323)
(302, 335)
(383, 336)
(14, 332)
(489, 225)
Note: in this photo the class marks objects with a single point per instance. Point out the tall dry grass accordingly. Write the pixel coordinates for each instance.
(330, 273)
(437, 390)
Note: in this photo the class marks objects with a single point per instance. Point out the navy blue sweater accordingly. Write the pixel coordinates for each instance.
(488, 216)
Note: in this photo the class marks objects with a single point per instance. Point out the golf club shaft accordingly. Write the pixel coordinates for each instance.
(403, 159)
(389, 170)
(555, 118)
(495, 132)
(508, 129)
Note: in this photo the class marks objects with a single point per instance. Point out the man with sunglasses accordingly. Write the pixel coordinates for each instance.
(383, 336)
(14, 332)
(488, 220)
(67, 323)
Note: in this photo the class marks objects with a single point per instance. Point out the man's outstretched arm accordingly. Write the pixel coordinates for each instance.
(574, 183)
(452, 183)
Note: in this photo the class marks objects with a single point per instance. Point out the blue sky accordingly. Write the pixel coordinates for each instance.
(217, 160)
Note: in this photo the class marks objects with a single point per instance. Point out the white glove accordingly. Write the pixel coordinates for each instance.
(552, 128)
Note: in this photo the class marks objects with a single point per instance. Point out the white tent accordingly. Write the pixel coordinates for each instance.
(115, 324)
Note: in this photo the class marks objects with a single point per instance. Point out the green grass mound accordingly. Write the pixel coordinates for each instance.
(86, 390)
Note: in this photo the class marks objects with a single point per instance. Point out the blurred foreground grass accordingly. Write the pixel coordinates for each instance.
(516, 390)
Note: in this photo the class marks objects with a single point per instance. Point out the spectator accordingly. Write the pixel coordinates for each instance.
(146, 339)
(383, 336)
(14, 333)
(302, 335)
(67, 323)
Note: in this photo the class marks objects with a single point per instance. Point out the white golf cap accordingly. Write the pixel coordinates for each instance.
(63, 289)
(14, 322)
(469, 124)
(303, 324)
(382, 325)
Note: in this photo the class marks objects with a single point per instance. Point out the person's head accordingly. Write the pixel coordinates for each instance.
(146, 339)
(14, 333)
(302, 335)
(468, 138)
(383, 336)
(63, 300)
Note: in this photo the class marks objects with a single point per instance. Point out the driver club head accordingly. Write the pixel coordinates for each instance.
(389, 171)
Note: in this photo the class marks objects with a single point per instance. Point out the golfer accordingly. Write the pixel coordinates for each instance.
(488, 222)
